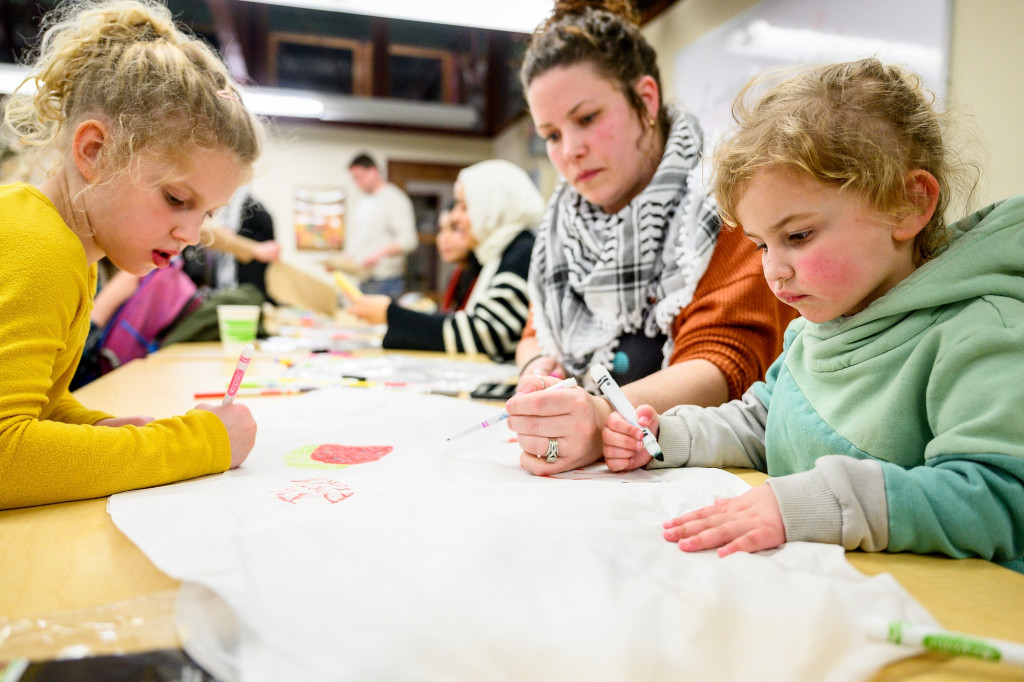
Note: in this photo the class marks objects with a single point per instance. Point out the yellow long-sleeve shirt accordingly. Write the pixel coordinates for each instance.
(49, 450)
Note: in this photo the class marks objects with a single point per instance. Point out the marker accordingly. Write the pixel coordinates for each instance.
(346, 286)
(236, 378)
(502, 415)
(944, 641)
(622, 405)
(256, 392)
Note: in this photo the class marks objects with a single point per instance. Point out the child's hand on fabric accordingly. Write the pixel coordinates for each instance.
(241, 426)
(624, 443)
(748, 523)
(372, 307)
(137, 420)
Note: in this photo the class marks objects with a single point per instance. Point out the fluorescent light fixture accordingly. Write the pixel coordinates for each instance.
(349, 109)
(403, 112)
(518, 16)
(282, 103)
(325, 107)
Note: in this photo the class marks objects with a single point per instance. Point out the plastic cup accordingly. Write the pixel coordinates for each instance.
(238, 325)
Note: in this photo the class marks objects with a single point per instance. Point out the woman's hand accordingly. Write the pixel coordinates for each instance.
(748, 523)
(543, 366)
(371, 307)
(570, 416)
(240, 425)
(624, 443)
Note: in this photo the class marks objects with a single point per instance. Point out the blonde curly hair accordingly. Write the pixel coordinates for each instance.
(163, 91)
(860, 126)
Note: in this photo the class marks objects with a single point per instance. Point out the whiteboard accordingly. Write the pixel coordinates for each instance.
(712, 70)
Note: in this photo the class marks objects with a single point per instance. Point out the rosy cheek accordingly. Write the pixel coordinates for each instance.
(823, 272)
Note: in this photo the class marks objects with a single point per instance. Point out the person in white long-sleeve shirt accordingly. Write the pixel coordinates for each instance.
(381, 231)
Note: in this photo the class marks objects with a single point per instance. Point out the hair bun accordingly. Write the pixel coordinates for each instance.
(620, 8)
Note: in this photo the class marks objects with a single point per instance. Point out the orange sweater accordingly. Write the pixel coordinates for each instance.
(734, 320)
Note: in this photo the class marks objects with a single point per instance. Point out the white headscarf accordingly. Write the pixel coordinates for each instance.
(502, 202)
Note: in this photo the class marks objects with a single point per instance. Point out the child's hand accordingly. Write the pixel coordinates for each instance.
(240, 425)
(748, 523)
(623, 443)
(138, 420)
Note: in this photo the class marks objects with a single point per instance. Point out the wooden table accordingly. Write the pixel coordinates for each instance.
(66, 567)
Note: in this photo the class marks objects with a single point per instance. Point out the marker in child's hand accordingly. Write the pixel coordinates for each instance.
(622, 405)
(502, 415)
(236, 378)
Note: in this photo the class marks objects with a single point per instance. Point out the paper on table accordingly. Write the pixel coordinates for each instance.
(450, 562)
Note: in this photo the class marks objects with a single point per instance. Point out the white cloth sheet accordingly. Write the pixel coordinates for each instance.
(446, 561)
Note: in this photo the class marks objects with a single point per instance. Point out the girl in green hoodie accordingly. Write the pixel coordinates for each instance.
(892, 419)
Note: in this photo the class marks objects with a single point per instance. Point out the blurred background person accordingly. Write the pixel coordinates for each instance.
(496, 207)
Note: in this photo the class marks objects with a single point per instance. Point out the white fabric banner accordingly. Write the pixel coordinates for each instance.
(435, 560)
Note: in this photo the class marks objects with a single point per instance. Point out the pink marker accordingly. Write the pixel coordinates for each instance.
(236, 378)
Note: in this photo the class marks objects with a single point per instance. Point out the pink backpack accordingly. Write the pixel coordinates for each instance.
(164, 297)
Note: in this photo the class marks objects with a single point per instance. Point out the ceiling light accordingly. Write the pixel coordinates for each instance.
(282, 103)
(521, 16)
(320, 106)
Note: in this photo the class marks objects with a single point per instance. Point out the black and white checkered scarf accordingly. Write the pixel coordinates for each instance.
(595, 276)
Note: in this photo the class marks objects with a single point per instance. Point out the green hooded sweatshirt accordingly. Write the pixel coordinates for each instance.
(921, 396)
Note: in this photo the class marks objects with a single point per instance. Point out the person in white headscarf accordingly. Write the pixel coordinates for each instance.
(498, 204)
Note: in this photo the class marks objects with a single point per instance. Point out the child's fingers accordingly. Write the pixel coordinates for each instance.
(697, 514)
(646, 416)
(754, 540)
(623, 449)
(626, 462)
(748, 523)
(707, 539)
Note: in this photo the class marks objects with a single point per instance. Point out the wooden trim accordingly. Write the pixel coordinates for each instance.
(449, 79)
(357, 47)
(654, 9)
(380, 36)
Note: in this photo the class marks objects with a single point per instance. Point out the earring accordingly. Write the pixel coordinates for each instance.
(651, 122)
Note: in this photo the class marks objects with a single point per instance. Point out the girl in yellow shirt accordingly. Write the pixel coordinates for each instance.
(148, 137)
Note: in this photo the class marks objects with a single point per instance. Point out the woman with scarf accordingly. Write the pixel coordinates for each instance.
(499, 206)
(631, 269)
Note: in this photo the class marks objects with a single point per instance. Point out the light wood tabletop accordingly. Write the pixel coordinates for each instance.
(69, 577)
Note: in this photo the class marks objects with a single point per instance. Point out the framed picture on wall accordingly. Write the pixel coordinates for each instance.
(319, 217)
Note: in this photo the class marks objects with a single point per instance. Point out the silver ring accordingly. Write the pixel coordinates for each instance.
(552, 453)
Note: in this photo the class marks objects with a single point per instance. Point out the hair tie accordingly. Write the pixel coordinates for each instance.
(229, 94)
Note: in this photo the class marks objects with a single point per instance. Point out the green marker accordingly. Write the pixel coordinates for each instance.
(944, 641)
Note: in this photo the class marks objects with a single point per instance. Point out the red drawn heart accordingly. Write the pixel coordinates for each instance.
(331, 453)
